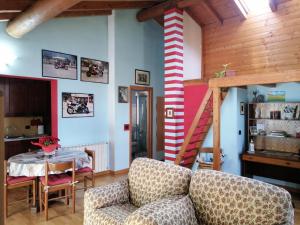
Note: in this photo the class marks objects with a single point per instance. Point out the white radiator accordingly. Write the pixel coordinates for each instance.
(101, 154)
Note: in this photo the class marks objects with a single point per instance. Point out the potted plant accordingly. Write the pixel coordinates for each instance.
(225, 72)
(48, 144)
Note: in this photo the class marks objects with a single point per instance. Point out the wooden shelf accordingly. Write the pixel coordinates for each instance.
(255, 103)
(274, 119)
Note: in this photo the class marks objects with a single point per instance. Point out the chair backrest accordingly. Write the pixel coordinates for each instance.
(91, 154)
(222, 198)
(59, 166)
(151, 180)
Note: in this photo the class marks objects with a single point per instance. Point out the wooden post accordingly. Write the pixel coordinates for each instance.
(2, 170)
(38, 13)
(216, 128)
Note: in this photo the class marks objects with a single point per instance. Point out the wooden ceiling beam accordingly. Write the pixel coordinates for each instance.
(7, 16)
(273, 5)
(212, 10)
(85, 13)
(188, 3)
(38, 13)
(158, 10)
(110, 5)
(194, 17)
(12, 15)
(155, 11)
(19, 6)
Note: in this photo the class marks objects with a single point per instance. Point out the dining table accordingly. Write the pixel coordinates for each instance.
(32, 164)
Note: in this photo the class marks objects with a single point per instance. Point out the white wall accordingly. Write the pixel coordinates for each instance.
(192, 48)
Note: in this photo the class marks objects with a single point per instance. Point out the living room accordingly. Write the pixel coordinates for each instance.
(199, 84)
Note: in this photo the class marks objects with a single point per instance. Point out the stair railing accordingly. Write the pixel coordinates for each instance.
(193, 126)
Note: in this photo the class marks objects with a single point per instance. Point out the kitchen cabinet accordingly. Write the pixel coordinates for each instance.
(26, 97)
(17, 97)
(17, 147)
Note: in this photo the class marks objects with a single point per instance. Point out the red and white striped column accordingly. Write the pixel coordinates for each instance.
(174, 90)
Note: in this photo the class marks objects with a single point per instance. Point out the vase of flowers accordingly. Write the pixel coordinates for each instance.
(48, 144)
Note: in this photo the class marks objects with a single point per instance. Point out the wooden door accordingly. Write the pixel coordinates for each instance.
(160, 123)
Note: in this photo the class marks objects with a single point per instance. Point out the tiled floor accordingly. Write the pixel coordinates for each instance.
(20, 213)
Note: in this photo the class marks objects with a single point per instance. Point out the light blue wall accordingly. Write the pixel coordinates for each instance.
(138, 45)
(143, 49)
(292, 91)
(86, 37)
(232, 143)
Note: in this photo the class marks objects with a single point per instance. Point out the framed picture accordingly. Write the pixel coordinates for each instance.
(123, 94)
(93, 70)
(242, 108)
(276, 96)
(142, 77)
(77, 105)
(253, 130)
(59, 65)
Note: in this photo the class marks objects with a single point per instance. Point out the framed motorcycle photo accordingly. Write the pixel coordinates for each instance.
(77, 105)
(93, 70)
(59, 65)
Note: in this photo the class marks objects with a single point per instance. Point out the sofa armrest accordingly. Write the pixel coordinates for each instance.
(107, 195)
(171, 211)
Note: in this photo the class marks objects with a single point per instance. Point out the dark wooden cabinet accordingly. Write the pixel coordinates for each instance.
(18, 97)
(17, 147)
(25, 97)
(39, 102)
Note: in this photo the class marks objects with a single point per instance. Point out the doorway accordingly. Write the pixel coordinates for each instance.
(140, 122)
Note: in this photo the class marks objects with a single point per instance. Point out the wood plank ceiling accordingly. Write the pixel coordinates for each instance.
(22, 12)
(9, 9)
(203, 11)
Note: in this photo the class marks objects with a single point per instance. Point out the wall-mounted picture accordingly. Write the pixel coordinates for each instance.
(77, 105)
(93, 70)
(59, 65)
(123, 94)
(242, 108)
(142, 77)
(276, 96)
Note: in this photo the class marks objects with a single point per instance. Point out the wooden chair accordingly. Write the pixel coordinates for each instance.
(57, 182)
(87, 173)
(17, 182)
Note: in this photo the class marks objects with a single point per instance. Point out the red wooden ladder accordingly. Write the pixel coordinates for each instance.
(197, 132)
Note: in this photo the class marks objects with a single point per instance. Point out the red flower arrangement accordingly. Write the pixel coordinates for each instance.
(47, 143)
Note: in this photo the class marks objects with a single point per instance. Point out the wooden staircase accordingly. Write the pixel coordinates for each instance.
(197, 132)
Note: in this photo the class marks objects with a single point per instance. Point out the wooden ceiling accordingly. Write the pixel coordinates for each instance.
(25, 15)
(9, 9)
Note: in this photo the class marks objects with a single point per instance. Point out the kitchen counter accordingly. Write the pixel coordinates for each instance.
(22, 138)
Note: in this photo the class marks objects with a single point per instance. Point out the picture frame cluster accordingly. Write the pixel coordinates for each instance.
(64, 66)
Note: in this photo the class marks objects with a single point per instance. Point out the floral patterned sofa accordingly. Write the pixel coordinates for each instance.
(158, 193)
(154, 193)
(222, 198)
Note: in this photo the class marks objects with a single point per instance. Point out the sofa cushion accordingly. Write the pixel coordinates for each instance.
(113, 215)
(176, 210)
(150, 180)
(221, 198)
